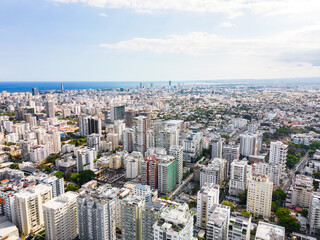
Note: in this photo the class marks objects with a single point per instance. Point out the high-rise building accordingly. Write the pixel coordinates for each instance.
(230, 153)
(301, 190)
(239, 227)
(273, 171)
(119, 127)
(259, 195)
(50, 109)
(94, 141)
(177, 152)
(206, 197)
(129, 118)
(248, 144)
(117, 113)
(218, 222)
(56, 142)
(143, 191)
(314, 214)
(35, 92)
(85, 159)
(150, 214)
(132, 167)
(131, 216)
(97, 215)
(216, 147)
(29, 208)
(149, 171)
(89, 125)
(238, 177)
(140, 142)
(278, 154)
(166, 174)
(60, 217)
(62, 87)
(128, 139)
(57, 185)
(174, 223)
(215, 172)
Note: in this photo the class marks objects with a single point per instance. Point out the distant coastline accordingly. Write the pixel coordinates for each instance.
(25, 86)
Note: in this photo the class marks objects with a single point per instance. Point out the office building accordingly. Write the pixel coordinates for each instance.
(62, 87)
(238, 177)
(29, 208)
(259, 195)
(61, 217)
(116, 113)
(89, 125)
(35, 91)
(207, 196)
(218, 222)
(128, 139)
(267, 231)
(177, 152)
(174, 223)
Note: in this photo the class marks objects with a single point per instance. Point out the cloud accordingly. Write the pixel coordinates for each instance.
(232, 8)
(227, 25)
(280, 46)
(103, 15)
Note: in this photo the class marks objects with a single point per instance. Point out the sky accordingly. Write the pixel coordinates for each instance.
(158, 40)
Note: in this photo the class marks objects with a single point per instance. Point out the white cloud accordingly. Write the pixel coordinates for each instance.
(201, 43)
(103, 15)
(227, 25)
(232, 8)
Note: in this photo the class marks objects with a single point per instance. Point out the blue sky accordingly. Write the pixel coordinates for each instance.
(153, 40)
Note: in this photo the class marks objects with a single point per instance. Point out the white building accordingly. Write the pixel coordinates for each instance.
(216, 146)
(143, 191)
(267, 231)
(140, 142)
(248, 144)
(39, 153)
(177, 152)
(60, 217)
(314, 214)
(215, 172)
(239, 227)
(238, 177)
(132, 167)
(301, 190)
(174, 223)
(94, 141)
(218, 222)
(259, 195)
(273, 171)
(230, 153)
(206, 197)
(29, 208)
(85, 159)
(278, 153)
(57, 185)
(56, 142)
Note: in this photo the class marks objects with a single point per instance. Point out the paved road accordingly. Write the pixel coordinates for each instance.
(303, 161)
(184, 183)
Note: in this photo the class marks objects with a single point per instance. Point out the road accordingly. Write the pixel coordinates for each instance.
(303, 161)
(184, 182)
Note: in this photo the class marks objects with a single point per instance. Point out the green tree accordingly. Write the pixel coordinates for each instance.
(230, 204)
(14, 166)
(245, 213)
(304, 212)
(285, 220)
(58, 174)
(243, 197)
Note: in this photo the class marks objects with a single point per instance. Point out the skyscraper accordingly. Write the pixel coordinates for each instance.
(85, 158)
(117, 113)
(314, 213)
(238, 177)
(50, 109)
(62, 87)
(89, 125)
(248, 144)
(128, 138)
(216, 147)
(140, 134)
(166, 174)
(278, 153)
(35, 92)
(177, 152)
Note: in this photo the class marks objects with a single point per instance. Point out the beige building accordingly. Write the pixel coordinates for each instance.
(259, 196)
(60, 217)
(301, 191)
(29, 212)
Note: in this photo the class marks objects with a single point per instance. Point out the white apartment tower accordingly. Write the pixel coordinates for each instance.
(259, 196)
(85, 159)
(94, 141)
(174, 223)
(278, 153)
(238, 177)
(218, 222)
(128, 139)
(216, 147)
(56, 142)
(248, 144)
(239, 227)
(60, 217)
(29, 208)
(207, 196)
(215, 172)
(314, 214)
(50, 109)
(140, 142)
